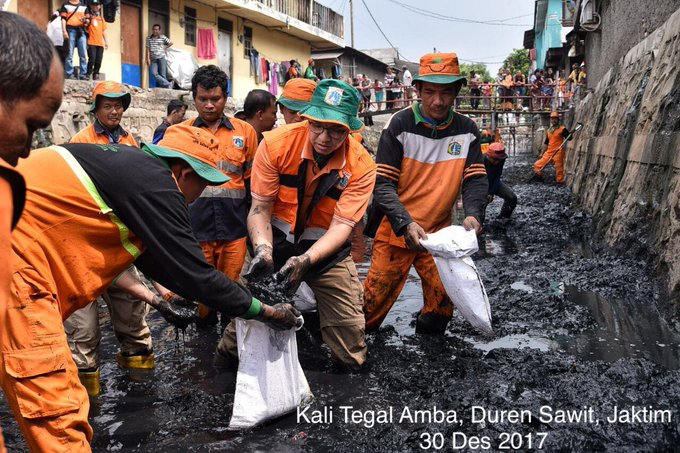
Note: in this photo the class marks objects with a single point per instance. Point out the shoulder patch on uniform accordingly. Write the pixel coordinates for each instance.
(344, 180)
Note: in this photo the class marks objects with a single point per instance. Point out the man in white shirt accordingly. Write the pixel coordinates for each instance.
(407, 79)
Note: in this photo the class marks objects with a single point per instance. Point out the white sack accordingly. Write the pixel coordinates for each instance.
(451, 248)
(270, 381)
(181, 67)
(304, 299)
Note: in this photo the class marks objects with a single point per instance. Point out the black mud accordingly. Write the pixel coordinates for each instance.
(577, 329)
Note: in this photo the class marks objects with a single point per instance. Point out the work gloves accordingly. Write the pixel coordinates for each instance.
(262, 265)
(177, 310)
(280, 316)
(290, 275)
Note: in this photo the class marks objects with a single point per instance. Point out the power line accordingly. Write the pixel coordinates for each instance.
(380, 29)
(434, 15)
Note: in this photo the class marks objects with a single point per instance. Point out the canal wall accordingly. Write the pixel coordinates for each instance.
(624, 166)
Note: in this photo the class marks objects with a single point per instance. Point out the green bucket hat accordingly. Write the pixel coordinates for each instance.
(194, 146)
(111, 90)
(335, 101)
(439, 68)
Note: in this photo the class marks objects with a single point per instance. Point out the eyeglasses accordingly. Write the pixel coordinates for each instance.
(335, 132)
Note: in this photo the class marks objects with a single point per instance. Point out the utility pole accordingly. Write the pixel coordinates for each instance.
(351, 23)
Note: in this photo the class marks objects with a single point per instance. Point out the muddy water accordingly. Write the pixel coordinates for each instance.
(575, 327)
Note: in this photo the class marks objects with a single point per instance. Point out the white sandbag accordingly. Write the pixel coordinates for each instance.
(451, 248)
(270, 381)
(181, 67)
(304, 299)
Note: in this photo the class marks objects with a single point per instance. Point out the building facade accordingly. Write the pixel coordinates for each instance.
(274, 30)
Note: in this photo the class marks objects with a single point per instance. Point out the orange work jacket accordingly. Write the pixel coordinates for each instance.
(68, 241)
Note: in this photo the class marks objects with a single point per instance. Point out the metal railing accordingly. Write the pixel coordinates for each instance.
(309, 12)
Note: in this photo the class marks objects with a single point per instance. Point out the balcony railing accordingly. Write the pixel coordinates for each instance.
(310, 12)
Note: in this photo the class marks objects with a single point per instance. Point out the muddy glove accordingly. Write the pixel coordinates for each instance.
(177, 310)
(290, 275)
(262, 265)
(279, 316)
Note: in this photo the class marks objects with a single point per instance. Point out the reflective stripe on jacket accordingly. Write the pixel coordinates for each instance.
(71, 241)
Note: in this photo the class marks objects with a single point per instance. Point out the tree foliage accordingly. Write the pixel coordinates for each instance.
(518, 60)
(479, 69)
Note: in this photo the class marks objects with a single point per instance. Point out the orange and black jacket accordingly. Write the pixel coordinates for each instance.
(422, 168)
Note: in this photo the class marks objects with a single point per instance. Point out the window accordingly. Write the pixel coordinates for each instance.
(189, 26)
(247, 41)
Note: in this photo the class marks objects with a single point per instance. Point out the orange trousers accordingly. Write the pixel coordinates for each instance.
(228, 258)
(390, 265)
(558, 160)
(2, 443)
(37, 373)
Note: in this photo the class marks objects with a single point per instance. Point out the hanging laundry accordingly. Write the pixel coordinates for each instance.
(254, 57)
(274, 79)
(206, 48)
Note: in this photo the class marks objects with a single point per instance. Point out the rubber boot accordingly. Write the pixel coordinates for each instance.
(143, 361)
(90, 380)
(223, 361)
(431, 324)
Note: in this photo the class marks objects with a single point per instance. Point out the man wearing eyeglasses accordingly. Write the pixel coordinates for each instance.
(427, 155)
(128, 315)
(311, 184)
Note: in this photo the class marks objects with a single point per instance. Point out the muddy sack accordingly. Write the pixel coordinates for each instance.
(452, 248)
(270, 381)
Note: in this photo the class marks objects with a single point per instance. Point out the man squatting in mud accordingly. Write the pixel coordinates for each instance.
(90, 211)
(425, 153)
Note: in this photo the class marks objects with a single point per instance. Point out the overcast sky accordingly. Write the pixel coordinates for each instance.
(415, 33)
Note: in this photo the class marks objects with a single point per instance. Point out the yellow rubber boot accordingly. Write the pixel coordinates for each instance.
(138, 361)
(90, 380)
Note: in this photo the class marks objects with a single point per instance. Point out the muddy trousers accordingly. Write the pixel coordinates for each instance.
(339, 298)
(228, 258)
(558, 160)
(509, 202)
(390, 265)
(38, 375)
(128, 319)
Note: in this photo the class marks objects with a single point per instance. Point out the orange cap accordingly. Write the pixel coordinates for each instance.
(554, 115)
(195, 146)
(440, 68)
(112, 90)
(297, 93)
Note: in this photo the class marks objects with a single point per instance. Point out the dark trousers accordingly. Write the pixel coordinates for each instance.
(509, 201)
(94, 60)
(474, 101)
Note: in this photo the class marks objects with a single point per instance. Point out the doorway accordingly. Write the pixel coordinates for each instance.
(224, 40)
(131, 42)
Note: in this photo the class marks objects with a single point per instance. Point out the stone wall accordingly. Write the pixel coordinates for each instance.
(624, 167)
(145, 113)
(624, 24)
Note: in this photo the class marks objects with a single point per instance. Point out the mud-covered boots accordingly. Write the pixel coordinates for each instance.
(431, 324)
(90, 379)
(144, 360)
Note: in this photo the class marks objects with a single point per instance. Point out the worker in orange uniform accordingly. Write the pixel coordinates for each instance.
(218, 217)
(305, 235)
(553, 149)
(30, 94)
(128, 314)
(426, 155)
(296, 96)
(98, 209)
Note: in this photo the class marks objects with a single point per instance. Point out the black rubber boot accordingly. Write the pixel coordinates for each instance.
(431, 324)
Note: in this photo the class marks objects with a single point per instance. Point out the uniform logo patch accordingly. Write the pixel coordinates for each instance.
(344, 180)
(333, 96)
(455, 148)
(238, 142)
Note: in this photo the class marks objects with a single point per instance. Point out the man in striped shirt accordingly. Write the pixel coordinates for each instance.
(427, 154)
(156, 45)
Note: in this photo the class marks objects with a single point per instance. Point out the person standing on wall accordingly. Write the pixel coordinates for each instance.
(75, 18)
(156, 45)
(175, 114)
(96, 40)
